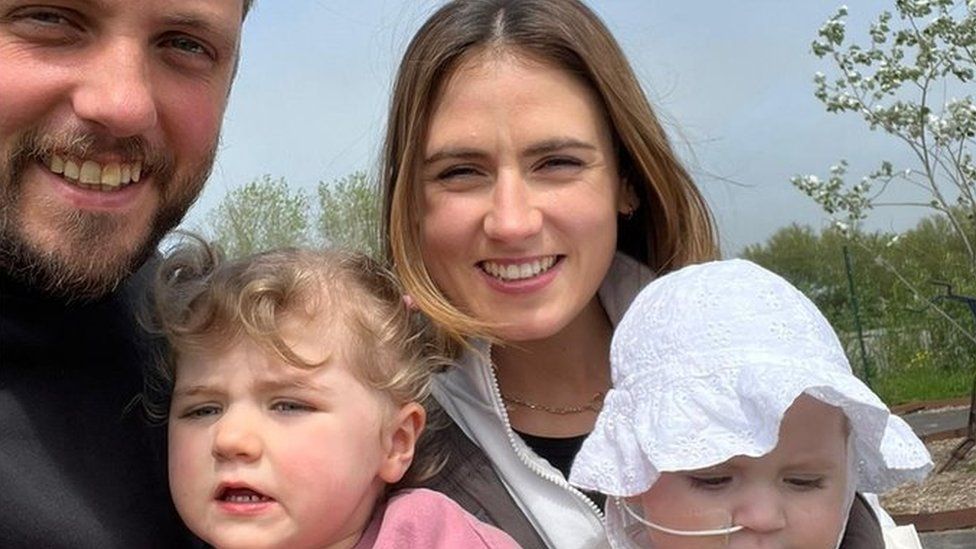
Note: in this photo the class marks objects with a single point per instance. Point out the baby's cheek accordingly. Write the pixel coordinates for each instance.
(821, 521)
(669, 492)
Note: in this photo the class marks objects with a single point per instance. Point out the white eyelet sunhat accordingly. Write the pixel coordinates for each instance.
(705, 363)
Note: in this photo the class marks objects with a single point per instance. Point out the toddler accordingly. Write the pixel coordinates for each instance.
(297, 378)
(735, 421)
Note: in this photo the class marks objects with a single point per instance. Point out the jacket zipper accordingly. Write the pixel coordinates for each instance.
(558, 480)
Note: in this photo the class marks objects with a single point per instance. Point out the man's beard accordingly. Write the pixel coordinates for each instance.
(87, 270)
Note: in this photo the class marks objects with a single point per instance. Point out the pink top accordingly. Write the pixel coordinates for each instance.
(424, 518)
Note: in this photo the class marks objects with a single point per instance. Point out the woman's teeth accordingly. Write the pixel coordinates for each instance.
(94, 176)
(518, 271)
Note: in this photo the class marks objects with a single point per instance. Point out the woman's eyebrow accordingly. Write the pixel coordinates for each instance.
(454, 153)
(557, 144)
(536, 149)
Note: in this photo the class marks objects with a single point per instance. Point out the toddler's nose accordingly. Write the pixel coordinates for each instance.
(235, 439)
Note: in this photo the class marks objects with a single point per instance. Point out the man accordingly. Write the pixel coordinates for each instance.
(110, 112)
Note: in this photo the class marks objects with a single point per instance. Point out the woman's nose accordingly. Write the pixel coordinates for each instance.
(513, 214)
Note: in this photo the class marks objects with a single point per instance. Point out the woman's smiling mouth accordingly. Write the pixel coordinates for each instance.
(510, 271)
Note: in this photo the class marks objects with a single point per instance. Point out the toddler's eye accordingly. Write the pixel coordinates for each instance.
(291, 407)
(200, 412)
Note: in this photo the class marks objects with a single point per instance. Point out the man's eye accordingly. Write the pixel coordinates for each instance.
(47, 18)
(45, 25)
(185, 44)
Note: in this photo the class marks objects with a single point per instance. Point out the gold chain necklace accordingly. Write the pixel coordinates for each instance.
(593, 405)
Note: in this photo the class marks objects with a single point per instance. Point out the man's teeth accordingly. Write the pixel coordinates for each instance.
(91, 174)
(519, 271)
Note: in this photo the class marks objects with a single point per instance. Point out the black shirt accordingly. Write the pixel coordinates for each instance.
(560, 453)
(79, 466)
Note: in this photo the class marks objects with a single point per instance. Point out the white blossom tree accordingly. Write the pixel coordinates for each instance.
(896, 83)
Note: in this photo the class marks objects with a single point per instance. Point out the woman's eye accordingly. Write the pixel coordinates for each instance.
(805, 483)
(560, 162)
(710, 482)
(290, 407)
(457, 172)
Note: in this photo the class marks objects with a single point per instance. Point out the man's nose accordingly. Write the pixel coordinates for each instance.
(115, 89)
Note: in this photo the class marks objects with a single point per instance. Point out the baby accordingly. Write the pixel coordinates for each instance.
(735, 421)
(297, 378)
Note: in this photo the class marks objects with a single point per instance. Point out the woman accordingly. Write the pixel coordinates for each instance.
(529, 194)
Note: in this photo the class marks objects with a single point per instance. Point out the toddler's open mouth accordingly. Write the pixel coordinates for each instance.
(241, 494)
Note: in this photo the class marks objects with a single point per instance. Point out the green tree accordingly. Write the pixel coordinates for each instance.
(262, 215)
(917, 350)
(893, 83)
(349, 213)
(814, 263)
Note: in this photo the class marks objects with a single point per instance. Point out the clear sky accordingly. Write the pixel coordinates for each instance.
(732, 82)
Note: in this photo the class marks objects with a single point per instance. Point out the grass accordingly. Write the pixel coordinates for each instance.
(898, 386)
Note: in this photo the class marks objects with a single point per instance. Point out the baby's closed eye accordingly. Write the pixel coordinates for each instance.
(805, 482)
(710, 482)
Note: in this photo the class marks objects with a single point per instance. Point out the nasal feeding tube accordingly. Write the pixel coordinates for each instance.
(686, 533)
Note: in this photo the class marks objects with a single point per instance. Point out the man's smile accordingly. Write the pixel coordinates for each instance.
(92, 175)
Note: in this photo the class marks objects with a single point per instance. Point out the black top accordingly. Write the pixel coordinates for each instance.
(79, 466)
(560, 453)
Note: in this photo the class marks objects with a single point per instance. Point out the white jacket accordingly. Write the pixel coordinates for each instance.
(564, 517)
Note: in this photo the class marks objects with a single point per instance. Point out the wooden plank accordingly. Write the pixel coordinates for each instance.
(944, 435)
(937, 522)
(919, 405)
